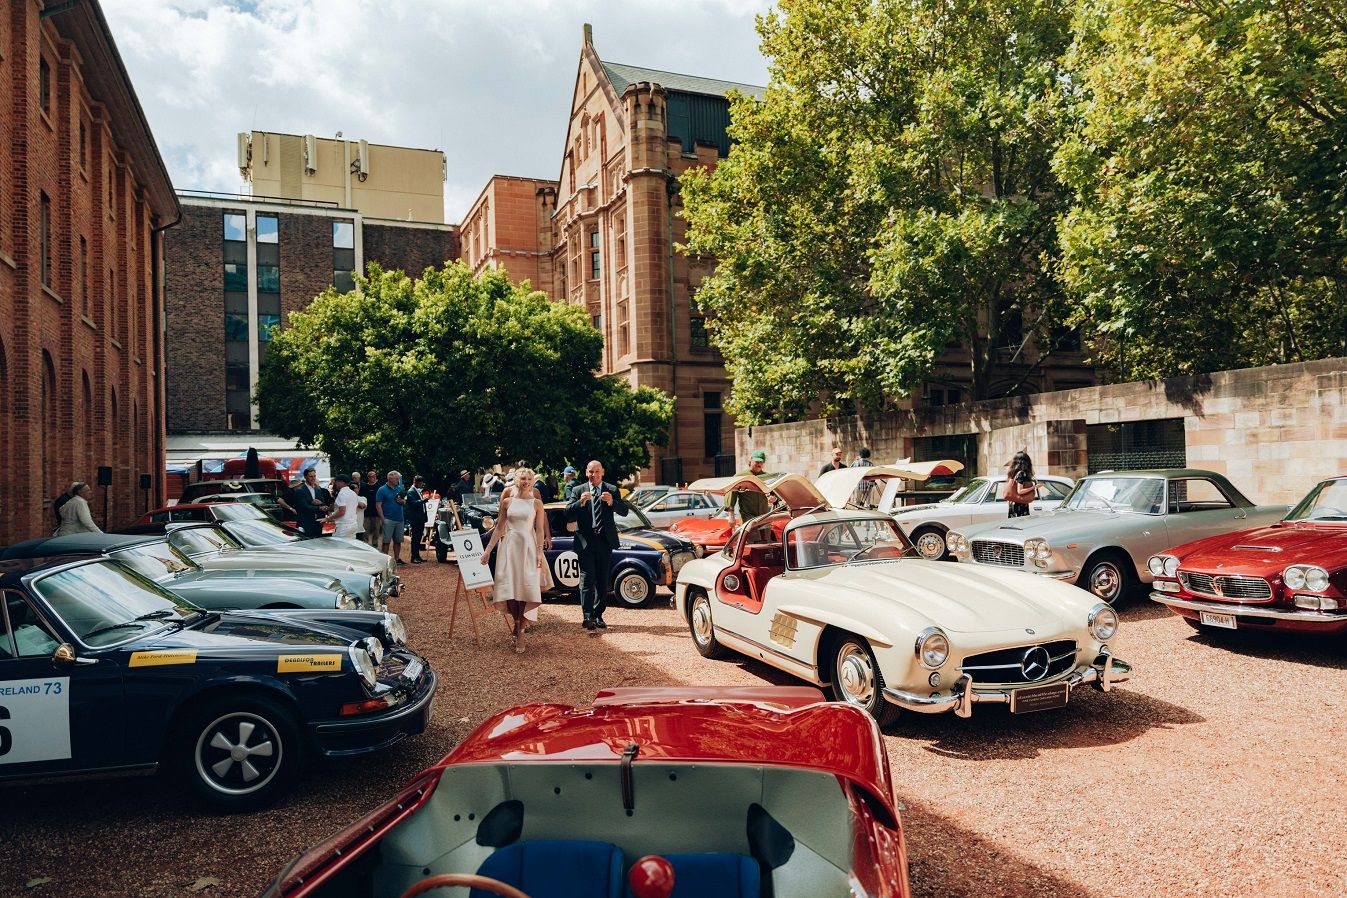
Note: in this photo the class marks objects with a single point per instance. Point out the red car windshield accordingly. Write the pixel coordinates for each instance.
(1326, 502)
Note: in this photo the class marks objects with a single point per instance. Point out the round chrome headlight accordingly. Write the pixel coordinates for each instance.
(1156, 565)
(394, 629)
(364, 665)
(346, 601)
(1037, 549)
(956, 543)
(488, 522)
(698, 550)
(1316, 579)
(1171, 566)
(1102, 622)
(932, 647)
(373, 588)
(1294, 577)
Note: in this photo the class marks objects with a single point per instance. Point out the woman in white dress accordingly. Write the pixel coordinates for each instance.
(521, 567)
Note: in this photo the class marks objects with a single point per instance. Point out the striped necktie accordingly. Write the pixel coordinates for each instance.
(595, 507)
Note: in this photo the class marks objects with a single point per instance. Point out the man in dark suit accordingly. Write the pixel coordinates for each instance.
(311, 502)
(592, 505)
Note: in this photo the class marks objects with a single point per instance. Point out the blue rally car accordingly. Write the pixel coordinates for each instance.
(102, 670)
(645, 557)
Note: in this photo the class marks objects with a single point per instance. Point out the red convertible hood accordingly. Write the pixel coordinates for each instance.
(1267, 550)
(716, 725)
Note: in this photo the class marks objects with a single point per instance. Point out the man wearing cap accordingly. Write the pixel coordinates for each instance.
(747, 504)
(463, 486)
(567, 481)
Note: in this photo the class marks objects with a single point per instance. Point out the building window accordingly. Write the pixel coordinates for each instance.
(268, 229)
(114, 320)
(84, 145)
(713, 433)
(238, 411)
(595, 266)
(711, 400)
(84, 277)
(343, 255)
(44, 85)
(268, 278)
(697, 338)
(44, 226)
(236, 276)
(268, 317)
(235, 226)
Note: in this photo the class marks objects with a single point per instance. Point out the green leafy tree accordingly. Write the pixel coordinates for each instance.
(892, 194)
(450, 371)
(1209, 156)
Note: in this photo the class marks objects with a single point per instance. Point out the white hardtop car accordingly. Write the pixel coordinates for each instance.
(677, 505)
(837, 597)
(980, 501)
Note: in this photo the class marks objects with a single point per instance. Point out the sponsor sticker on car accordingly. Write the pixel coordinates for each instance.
(307, 663)
(162, 658)
(35, 720)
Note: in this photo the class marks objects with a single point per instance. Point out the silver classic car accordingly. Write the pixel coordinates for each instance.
(1112, 522)
(977, 503)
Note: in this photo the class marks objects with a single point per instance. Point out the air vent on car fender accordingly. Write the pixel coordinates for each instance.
(1260, 548)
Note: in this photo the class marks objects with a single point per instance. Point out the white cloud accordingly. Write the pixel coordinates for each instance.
(488, 83)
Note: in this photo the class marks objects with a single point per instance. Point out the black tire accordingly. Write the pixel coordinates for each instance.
(923, 537)
(857, 680)
(1108, 576)
(265, 728)
(632, 589)
(701, 627)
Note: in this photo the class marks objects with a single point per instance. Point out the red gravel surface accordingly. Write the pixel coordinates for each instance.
(1213, 772)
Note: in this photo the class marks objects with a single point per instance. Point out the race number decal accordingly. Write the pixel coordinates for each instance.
(468, 548)
(567, 569)
(34, 720)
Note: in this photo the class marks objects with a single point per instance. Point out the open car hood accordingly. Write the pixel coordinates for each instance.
(840, 485)
(794, 490)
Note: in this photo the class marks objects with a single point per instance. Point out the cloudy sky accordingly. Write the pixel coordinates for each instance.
(487, 82)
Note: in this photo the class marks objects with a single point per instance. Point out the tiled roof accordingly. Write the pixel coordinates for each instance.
(622, 75)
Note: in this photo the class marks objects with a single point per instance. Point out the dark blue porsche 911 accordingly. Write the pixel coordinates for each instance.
(102, 670)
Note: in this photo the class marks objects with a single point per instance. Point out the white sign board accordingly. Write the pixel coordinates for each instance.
(468, 547)
(34, 720)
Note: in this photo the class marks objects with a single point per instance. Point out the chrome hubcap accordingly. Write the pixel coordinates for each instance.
(634, 589)
(1105, 582)
(238, 753)
(855, 675)
(931, 545)
(701, 621)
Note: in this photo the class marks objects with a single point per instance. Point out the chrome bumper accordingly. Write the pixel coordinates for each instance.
(1103, 673)
(1317, 617)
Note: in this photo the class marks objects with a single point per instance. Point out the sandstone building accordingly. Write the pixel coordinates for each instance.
(84, 197)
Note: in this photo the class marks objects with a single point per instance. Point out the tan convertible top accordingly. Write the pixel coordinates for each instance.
(793, 489)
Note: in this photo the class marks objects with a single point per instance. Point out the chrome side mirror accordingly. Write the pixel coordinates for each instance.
(65, 656)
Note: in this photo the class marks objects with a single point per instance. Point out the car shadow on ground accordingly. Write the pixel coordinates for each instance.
(1139, 607)
(1092, 719)
(1317, 650)
(939, 852)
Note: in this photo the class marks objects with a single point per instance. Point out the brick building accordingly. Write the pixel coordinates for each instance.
(236, 268)
(607, 232)
(84, 196)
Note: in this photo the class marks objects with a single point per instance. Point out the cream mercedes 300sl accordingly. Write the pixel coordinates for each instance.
(836, 596)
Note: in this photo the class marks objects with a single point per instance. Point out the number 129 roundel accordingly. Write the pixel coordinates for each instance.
(102, 669)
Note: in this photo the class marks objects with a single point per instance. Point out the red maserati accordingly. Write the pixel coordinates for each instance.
(1291, 575)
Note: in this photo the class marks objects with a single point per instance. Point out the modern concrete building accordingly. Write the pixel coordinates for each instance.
(237, 267)
(84, 197)
(381, 181)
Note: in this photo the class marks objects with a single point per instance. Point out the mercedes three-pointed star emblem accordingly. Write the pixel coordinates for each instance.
(1034, 663)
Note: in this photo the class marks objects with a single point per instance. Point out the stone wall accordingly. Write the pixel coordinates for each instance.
(1274, 431)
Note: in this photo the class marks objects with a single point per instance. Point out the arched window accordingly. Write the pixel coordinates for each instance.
(50, 476)
(86, 423)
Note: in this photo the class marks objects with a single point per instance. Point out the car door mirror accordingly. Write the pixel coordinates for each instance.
(65, 656)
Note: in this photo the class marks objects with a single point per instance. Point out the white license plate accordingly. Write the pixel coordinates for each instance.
(413, 671)
(1218, 620)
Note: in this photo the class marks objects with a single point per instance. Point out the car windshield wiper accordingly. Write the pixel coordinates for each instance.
(110, 627)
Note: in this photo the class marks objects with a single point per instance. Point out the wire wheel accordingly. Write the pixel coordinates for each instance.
(930, 544)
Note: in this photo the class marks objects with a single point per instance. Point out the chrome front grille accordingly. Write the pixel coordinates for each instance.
(1226, 587)
(1008, 665)
(987, 552)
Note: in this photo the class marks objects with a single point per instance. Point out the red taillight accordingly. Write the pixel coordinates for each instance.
(368, 706)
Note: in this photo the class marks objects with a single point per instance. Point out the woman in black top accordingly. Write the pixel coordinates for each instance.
(1020, 487)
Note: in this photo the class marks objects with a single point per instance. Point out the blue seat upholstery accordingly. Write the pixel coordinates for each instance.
(557, 868)
(713, 875)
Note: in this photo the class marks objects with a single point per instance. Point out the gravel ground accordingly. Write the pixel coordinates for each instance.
(1213, 772)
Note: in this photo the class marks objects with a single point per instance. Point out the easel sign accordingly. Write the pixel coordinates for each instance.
(468, 547)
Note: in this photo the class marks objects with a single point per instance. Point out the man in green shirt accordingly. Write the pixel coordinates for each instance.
(748, 505)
